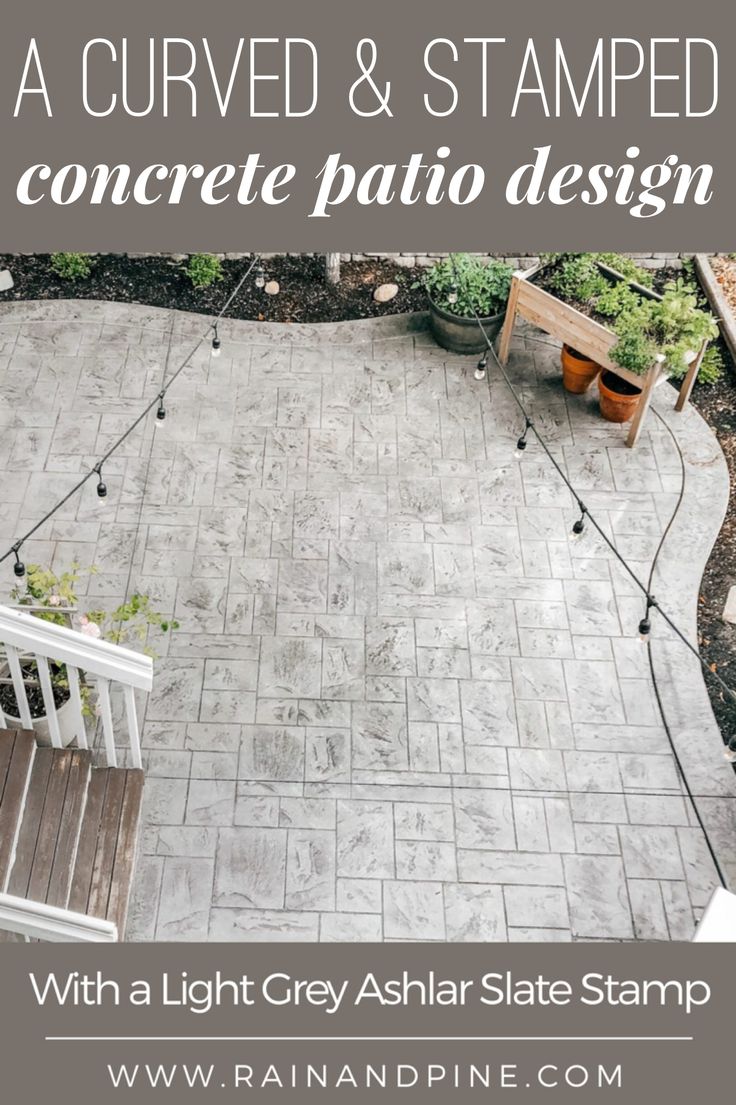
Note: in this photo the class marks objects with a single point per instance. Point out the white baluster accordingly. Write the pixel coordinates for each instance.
(133, 730)
(19, 687)
(80, 730)
(47, 691)
(103, 694)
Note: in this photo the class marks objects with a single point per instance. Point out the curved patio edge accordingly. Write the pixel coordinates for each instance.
(352, 332)
(679, 676)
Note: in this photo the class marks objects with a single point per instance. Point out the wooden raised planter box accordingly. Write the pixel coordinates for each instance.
(569, 325)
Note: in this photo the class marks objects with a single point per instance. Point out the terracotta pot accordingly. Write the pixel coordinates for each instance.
(618, 398)
(578, 371)
(462, 335)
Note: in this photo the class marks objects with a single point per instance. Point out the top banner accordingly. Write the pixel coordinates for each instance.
(326, 125)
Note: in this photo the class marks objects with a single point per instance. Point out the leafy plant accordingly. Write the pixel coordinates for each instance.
(712, 366)
(204, 269)
(53, 598)
(576, 278)
(71, 266)
(673, 327)
(465, 285)
(616, 299)
(634, 349)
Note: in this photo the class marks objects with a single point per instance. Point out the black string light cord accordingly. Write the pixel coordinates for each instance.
(157, 402)
(645, 588)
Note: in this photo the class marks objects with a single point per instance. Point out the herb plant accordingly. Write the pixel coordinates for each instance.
(465, 285)
(672, 328)
(71, 266)
(204, 269)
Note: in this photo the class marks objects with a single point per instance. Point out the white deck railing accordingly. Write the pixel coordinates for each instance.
(24, 637)
(37, 921)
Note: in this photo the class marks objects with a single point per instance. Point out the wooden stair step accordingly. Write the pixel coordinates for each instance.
(52, 820)
(17, 752)
(105, 860)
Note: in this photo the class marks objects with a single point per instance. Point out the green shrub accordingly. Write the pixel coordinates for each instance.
(481, 286)
(712, 366)
(71, 266)
(204, 269)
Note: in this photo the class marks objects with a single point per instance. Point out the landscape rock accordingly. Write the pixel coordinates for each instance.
(385, 293)
(272, 288)
(6, 280)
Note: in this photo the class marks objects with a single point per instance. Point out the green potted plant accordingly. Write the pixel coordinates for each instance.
(460, 287)
(53, 598)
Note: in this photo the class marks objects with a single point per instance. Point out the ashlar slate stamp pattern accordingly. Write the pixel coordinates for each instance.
(402, 704)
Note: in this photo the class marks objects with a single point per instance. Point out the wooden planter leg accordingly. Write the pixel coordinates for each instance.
(643, 405)
(510, 321)
(689, 382)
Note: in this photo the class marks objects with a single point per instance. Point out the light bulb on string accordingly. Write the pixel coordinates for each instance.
(19, 568)
(480, 368)
(729, 751)
(260, 277)
(452, 295)
(521, 444)
(645, 625)
(161, 412)
(578, 528)
(101, 485)
(216, 344)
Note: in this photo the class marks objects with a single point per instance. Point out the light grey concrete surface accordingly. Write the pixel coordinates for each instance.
(403, 704)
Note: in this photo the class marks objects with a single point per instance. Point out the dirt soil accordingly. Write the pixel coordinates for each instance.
(304, 295)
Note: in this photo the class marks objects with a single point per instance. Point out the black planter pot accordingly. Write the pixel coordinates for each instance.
(462, 335)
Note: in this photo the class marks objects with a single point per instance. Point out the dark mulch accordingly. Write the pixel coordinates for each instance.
(160, 282)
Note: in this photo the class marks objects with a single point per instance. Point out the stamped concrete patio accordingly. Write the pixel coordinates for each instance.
(402, 704)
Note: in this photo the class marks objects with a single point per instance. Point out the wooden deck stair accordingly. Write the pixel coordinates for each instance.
(68, 830)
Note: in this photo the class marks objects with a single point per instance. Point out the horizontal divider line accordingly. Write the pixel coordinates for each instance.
(327, 1039)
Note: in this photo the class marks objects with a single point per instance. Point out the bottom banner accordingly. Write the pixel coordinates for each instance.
(252, 1023)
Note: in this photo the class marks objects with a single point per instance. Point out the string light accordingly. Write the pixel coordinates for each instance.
(452, 294)
(645, 625)
(19, 567)
(578, 527)
(101, 485)
(480, 368)
(260, 277)
(521, 444)
(216, 343)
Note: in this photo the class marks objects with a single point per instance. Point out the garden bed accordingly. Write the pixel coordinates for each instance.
(161, 282)
(717, 404)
